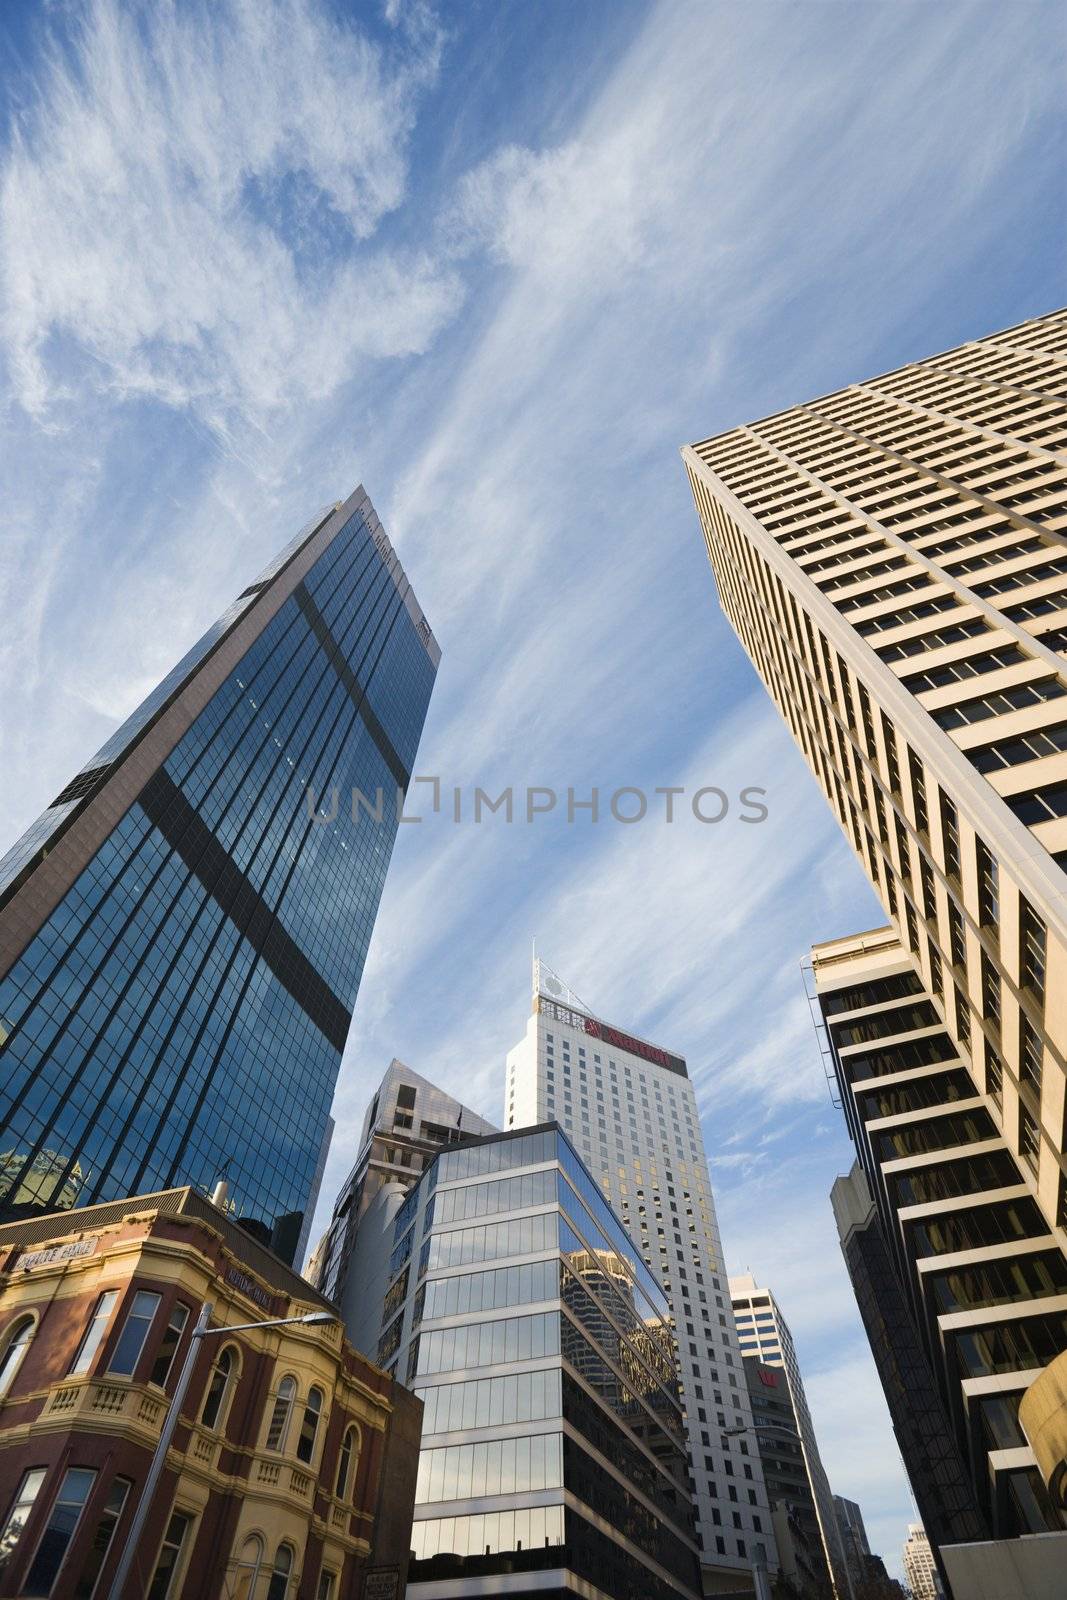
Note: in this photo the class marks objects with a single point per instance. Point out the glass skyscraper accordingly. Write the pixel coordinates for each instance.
(553, 1449)
(182, 933)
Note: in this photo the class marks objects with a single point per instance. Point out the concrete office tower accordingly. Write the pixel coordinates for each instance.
(941, 1206)
(801, 1557)
(893, 557)
(894, 560)
(553, 1455)
(919, 1568)
(181, 941)
(630, 1109)
(764, 1336)
(407, 1123)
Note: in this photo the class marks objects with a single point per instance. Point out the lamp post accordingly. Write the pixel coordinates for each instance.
(159, 1455)
(760, 1576)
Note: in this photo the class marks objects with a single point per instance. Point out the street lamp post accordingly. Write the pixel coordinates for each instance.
(159, 1455)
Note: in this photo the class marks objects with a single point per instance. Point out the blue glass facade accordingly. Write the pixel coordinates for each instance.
(179, 1014)
(553, 1451)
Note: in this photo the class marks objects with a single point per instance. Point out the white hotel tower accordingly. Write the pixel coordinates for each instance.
(629, 1108)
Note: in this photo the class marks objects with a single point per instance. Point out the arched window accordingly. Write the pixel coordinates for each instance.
(218, 1389)
(278, 1588)
(18, 1342)
(305, 1445)
(346, 1462)
(278, 1430)
(246, 1571)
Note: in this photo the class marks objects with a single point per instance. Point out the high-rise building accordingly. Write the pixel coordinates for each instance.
(553, 1453)
(982, 1273)
(853, 1535)
(183, 932)
(893, 558)
(919, 1567)
(801, 1557)
(764, 1337)
(408, 1121)
(630, 1108)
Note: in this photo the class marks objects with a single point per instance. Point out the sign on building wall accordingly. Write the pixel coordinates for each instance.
(59, 1252)
(381, 1583)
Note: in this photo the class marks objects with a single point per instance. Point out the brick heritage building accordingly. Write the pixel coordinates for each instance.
(292, 1470)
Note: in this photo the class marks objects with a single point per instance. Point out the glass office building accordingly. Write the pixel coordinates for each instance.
(183, 932)
(553, 1454)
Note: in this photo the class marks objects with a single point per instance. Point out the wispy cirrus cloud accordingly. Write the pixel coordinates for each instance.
(239, 274)
(186, 204)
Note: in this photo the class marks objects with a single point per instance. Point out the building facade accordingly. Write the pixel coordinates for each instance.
(919, 1568)
(408, 1121)
(293, 1465)
(764, 1337)
(630, 1109)
(801, 1557)
(183, 932)
(893, 558)
(853, 1535)
(981, 1272)
(553, 1453)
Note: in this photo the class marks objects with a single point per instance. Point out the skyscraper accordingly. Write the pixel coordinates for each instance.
(980, 1269)
(630, 1109)
(893, 558)
(181, 936)
(407, 1123)
(919, 1564)
(853, 1535)
(765, 1337)
(553, 1455)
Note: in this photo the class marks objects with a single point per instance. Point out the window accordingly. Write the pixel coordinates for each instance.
(18, 1342)
(170, 1554)
(999, 704)
(305, 1445)
(1029, 1138)
(168, 1345)
(1031, 1055)
(131, 1341)
(990, 992)
(348, 1456)
(64, 1518)
(994, 1075)
(106, 1524)
(94, 1333)
(283, 1409)
(18, 1516)
(988, 888)
(218, 1388)
(246, 1570)
(1032, 944)
(327, 1585)
(278, 1587)
(918, 793)
(950, 837)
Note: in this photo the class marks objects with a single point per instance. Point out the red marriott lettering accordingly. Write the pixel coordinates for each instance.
(626, 1041)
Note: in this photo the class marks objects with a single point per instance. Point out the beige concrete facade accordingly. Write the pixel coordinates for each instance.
(893, 558)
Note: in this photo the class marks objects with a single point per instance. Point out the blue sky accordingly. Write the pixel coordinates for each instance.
(498, 262)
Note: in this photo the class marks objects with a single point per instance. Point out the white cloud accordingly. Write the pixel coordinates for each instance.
(185, 205)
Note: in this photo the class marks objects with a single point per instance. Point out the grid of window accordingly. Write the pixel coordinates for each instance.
(999, 704)
(183, 1010)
